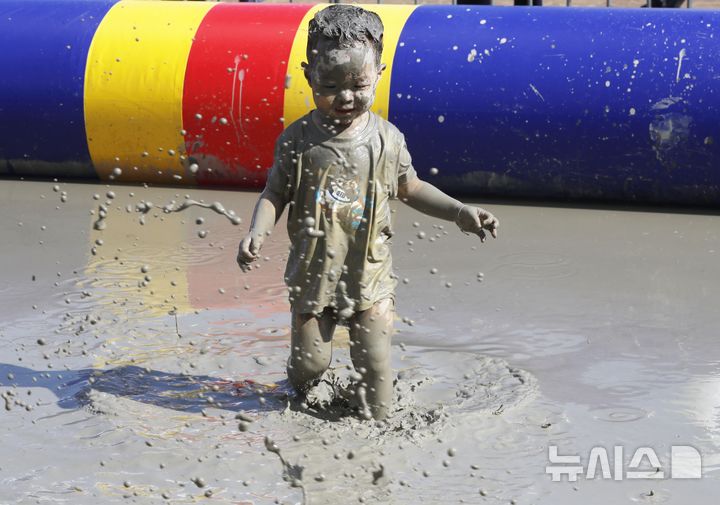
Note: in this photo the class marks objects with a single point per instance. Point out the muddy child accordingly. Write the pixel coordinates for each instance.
(336, 169)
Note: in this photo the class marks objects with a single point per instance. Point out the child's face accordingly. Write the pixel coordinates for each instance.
(343, 81)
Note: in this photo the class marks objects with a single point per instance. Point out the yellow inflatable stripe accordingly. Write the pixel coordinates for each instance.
(298, 97)
(134, 87)
(393, 18)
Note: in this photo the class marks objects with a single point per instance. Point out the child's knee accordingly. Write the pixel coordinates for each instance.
(375, 358)
(309, 362)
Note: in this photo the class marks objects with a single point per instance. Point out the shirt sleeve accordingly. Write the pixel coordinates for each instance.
(406, 171)
(279, 177)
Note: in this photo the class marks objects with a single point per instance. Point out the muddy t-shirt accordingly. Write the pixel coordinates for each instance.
(339, 216)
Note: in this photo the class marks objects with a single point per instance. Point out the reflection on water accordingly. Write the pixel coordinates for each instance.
(163, 265)
(701, 399)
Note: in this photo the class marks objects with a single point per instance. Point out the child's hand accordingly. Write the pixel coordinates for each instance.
(477, 220)
(249, 250)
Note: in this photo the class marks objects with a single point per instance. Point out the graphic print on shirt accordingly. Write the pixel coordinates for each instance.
(342, 200)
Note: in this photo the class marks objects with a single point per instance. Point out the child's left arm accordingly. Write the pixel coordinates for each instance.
(428, 199)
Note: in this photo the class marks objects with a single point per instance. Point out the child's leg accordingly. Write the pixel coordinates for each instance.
(310, 348)
(370, 337)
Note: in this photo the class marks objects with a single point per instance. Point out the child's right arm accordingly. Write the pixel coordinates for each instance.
(268, 210)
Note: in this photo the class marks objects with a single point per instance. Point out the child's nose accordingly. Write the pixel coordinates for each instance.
(346, 95)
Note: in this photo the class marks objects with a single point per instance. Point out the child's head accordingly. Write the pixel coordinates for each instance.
(344, 49)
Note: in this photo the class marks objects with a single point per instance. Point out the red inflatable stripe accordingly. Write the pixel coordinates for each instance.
(234, 88)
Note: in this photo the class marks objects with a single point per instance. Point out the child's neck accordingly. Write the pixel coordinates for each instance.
(341, 130)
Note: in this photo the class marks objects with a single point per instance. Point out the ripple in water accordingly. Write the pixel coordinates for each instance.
(618, 414)
(534, 266)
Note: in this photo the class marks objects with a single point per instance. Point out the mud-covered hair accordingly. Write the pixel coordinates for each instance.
(347, 25)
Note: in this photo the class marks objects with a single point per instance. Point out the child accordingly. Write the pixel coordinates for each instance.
(338, 167)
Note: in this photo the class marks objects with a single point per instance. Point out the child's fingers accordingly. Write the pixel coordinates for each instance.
(492, 227)
(244, 262)
(491, 224)
(482, 235)
(254, 248)
(244, 250)
(245, 253)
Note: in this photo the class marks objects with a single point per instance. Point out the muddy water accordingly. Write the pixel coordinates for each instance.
(126, 354)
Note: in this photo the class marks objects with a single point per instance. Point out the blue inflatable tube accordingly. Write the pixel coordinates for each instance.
(564, 103)
(43, 55)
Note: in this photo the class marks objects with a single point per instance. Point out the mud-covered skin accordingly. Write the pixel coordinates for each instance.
(343, 81)
(370, 339)
(310, 348)
(267, 211)
(426, 198)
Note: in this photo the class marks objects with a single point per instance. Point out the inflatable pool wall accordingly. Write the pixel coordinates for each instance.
(618, 104)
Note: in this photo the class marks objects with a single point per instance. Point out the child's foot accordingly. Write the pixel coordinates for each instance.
(321, 395)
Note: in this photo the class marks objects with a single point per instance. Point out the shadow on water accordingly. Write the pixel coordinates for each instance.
(185, 393)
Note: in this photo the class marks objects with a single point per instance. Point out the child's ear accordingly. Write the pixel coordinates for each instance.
(381, 69)
(306, 71)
